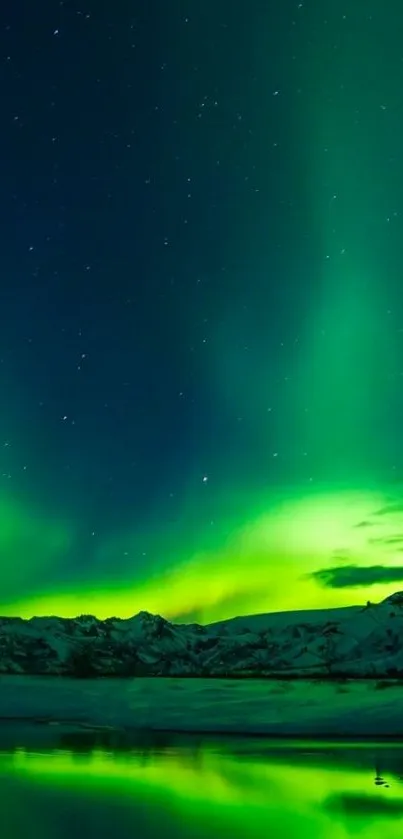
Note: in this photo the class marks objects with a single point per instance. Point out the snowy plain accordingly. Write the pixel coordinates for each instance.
(356, 708)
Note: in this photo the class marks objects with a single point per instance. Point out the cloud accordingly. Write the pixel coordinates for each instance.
(341, 555)
(389, 509)
(387, 540)
(364, 524)
(353, 576)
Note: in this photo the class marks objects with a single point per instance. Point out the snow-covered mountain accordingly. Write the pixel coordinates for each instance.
(356, 641)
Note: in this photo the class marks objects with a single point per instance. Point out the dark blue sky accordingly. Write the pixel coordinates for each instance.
(145, 161)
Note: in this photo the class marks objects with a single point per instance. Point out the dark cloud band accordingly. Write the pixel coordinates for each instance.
(350, 576)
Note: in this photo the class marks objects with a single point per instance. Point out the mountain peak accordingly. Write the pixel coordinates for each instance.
(364, 642)
(396, 598)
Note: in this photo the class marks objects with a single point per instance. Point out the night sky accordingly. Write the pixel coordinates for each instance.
(201, 306)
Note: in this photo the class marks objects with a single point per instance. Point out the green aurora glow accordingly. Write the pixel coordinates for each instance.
(266, 564)
(345, 510)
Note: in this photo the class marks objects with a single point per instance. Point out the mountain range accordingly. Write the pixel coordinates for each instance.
(357, 641)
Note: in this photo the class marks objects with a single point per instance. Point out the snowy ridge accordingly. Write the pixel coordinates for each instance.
(357, 641)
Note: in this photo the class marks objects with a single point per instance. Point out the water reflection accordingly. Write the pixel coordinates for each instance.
(189, 788)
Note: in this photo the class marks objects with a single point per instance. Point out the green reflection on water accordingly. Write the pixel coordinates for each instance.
(245, 789)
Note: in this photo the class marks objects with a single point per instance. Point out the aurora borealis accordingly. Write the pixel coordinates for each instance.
(201, 319)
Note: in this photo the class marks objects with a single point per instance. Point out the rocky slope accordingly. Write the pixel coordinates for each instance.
(355, 641)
